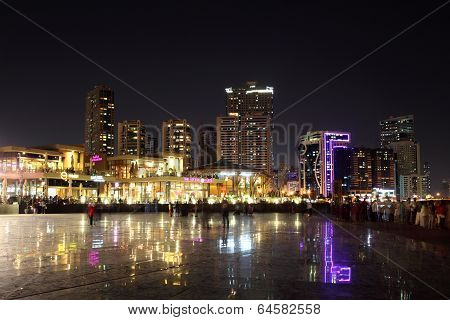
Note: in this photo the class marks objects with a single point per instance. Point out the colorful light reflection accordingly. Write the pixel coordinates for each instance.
(333, 273)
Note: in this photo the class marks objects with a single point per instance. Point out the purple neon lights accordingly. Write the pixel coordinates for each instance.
(330, 139)
(333, 273)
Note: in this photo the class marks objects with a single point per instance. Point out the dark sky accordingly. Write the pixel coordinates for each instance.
(183, 54)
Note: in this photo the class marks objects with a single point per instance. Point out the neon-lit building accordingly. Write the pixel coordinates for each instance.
(316, 150)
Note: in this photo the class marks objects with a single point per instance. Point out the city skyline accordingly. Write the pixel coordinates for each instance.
(416, 83)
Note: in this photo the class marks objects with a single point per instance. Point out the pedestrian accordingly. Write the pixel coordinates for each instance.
(91, 213)
(195, 210)
(397, 211)
(379, 209)
(170, 208)
(441, 211)
(414, 210)
(225, 214)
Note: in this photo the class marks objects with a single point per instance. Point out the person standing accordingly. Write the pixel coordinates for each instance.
(414, 209)
(170, 208)
(91, 213)
(225, 214)
(441, 211)
(379, 210)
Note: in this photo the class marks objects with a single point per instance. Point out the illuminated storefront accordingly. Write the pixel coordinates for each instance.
(55, 170)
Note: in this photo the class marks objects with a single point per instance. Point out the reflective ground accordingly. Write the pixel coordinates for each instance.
(267, 256)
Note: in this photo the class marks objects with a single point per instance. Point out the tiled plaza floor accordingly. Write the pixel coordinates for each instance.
(267, 256)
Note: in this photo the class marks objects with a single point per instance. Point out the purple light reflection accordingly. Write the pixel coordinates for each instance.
(93, 258)
(333, 273)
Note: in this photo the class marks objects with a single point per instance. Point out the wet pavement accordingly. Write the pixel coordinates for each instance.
(267, 256)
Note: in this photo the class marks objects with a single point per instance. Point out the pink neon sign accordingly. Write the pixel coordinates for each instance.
(203, 180)
(96, 158)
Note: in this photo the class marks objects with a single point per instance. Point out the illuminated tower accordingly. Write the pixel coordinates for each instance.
(244, 136)
(132, 138)
(397, 129)
(317, 160)
(99, 121)
(177, 139)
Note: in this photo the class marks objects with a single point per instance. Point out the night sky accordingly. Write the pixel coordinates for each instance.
(183, 54)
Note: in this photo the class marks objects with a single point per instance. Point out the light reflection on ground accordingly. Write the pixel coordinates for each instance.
(153, 256)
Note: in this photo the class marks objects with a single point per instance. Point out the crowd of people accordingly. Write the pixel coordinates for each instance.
(426, 214)
(36, 204)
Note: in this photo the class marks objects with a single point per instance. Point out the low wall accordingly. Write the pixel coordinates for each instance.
(9, 208)
(102, 208)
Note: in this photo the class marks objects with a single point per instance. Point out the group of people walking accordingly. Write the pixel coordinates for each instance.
(427, 214)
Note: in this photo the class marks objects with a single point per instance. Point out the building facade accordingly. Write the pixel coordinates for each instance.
(383, 169)
(177, 139)
(407, 157)
(132, 138)
(244, 136)
(47, 171)
(316, 151)
(412, 186)
(228, 138)
(255, 140)
(427, 174)
(207, 144)
(250, 99)
(361, 172)
(99, 136)
(397, 129)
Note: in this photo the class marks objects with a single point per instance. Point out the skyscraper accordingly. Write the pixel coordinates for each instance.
(383, 169)
(343, 169)
(245, 134)
(177, 139)
(407, 156)
(99, 121)
(207, 143)
(131, 138)
(412, 186)
(228, 138)
(250, 99)
(427, 175)
(256, 142)
(317, 160)
(397, 129)
(361, 172)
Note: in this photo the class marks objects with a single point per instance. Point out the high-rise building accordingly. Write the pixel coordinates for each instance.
(343, 169)
(445, 188)
(250, 99)
(228, 139)
(383, 169)
(256, 142)
(407, 157)
(152, 140)
(244, 136)
(177, 139)
(412, 186)
(132, 138)
(317, 160)
(99, 121)
(397, 129)
(207, 143)
(361, 171)
(427, 175)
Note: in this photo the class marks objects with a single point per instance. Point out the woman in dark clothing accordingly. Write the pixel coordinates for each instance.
(91, 213)
(225, 213)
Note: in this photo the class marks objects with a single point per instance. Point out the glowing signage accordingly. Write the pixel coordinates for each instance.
(202, 180)
(98, 178)
(96, 158)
